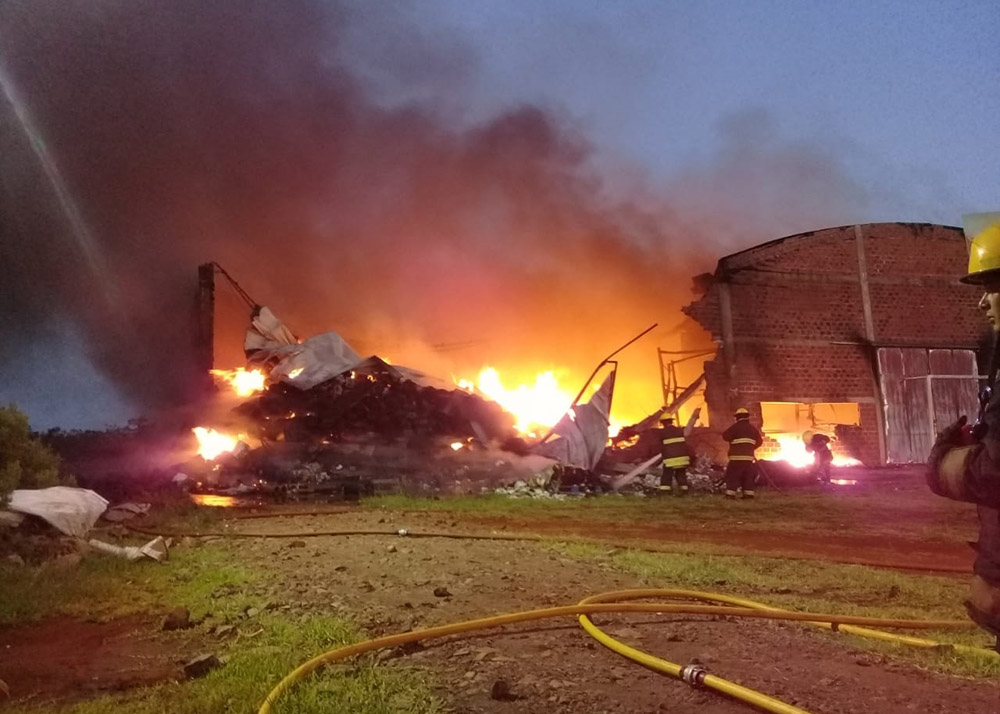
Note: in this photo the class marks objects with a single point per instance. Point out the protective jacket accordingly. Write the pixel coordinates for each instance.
(972, 473)
(744, 439)
(675, 449)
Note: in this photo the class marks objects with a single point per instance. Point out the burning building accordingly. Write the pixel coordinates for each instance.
(861, 331)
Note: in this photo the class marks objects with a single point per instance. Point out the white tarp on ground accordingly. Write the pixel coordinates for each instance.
(74, 511)
(580, 437)
(317, 359)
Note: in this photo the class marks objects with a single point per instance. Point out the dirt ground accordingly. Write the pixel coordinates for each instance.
(388, 585)
(63, 659)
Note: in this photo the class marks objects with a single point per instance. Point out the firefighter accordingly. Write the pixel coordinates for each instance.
(819, 444)
(964, 463)
(744, 439)
(676, 456)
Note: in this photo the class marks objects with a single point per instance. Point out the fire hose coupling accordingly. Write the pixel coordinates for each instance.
(694, 674)
(402, 532)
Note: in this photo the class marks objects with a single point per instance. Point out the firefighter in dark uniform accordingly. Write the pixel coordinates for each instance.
(964, 463)
(819, 444)
(676, 457)
(744, 439)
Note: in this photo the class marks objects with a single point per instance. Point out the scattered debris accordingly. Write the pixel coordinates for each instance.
(521, 489)
(177, 619)
(125, 512)
(441, 592)
(201, 665)
(155, 549)
(501, 692)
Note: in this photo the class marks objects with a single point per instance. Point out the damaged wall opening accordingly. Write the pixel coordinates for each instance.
(785, 423)
(866, 314)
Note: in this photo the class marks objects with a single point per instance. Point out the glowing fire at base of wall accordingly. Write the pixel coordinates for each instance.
(792, 448)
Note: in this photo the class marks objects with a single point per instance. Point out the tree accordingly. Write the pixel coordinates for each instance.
(25, 462)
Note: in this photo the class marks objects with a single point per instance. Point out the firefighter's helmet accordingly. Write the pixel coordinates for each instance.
(984, 250)
(666, 417)
(742, 413)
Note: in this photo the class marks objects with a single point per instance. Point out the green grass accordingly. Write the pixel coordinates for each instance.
(213, 580)
(101, 587)
(255, 665)
(911, 512)
(817, 587)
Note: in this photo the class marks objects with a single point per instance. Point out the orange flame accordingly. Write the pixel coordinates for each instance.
(243, 382)
(212, 443)
(534, 406)
(793, 450)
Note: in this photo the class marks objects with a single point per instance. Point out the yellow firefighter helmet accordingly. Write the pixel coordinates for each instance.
(984, 251)
(666, 416)
(741, 412)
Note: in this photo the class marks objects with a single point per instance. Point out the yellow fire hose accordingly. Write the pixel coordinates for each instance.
(691, 674)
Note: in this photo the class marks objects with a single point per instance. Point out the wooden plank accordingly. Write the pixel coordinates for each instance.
(917, 404)
(890, 369)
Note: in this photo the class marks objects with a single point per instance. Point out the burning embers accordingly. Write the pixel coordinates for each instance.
(243, 382)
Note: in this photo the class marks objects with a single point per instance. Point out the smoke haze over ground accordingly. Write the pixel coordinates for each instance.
(193, 131)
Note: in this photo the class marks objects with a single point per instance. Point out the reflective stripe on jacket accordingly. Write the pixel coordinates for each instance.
(675, 450)
(743, 438)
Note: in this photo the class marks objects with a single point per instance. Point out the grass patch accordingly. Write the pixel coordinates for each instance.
(213, 580)
(911, 512)
(102, 588)
(254, 666)
(818, 587)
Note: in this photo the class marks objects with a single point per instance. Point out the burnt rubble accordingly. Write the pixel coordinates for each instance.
(378, 404)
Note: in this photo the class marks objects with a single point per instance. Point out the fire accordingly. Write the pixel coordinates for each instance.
(541, 404)
(456, 445)
(793, 450)
(215, 501)
(212, 443)
(244, 383)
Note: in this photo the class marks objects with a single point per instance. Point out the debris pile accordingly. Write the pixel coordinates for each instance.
(522, 489)
(379, 403)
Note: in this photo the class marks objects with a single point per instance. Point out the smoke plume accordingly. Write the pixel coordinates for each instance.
(200, 130)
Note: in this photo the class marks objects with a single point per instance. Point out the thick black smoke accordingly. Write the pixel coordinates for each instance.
(197, 130)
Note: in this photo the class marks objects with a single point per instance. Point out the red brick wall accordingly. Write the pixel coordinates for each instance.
(790, 298)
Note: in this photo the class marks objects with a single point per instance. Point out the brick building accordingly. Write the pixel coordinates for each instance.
(863, 331)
